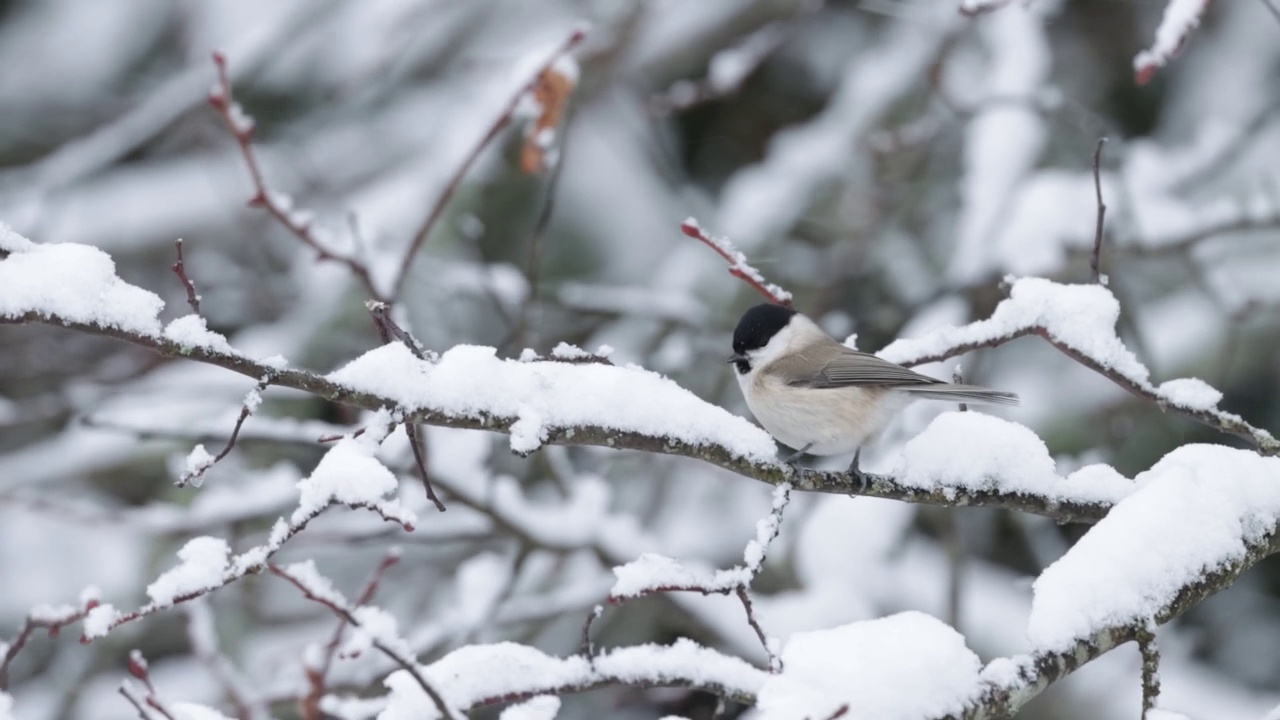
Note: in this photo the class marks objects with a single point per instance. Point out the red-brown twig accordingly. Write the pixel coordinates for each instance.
(309, 706)
(248, 563)
(1095, 258)
(195, 473)
(180, 269)
(276, 204)
(738, 265)
(138, 669)
(1174, 31)
(499, 124)
(397, 655)
(51, 620)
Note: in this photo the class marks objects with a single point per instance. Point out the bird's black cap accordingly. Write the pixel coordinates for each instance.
(758, 325)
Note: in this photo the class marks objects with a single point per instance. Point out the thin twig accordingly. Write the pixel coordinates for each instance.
(1095, 259)
(180, 269)
(419, 459)
(534, 272)
(138, 669)
(309, 706)
(277, 205)
(246, 409)
(51, 623)
(738, 265)
(500, 123)
(410, 665)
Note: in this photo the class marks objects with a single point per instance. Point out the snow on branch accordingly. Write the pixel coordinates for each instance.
(1181, 18)
(739, 267)
(653, 574)
(50, 618)
(375, 628)
(1080, 321)
(536, 402)
(482, 675)
(348, 474)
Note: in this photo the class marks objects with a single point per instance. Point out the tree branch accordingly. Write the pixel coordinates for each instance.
(773, 473)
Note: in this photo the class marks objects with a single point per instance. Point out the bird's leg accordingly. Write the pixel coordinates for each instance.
(791, 459)
(856, 471)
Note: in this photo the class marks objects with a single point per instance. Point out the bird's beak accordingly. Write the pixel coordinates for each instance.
(736, 358)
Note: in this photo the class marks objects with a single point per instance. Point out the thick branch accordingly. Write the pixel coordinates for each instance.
(883, 486)
(1042, 669)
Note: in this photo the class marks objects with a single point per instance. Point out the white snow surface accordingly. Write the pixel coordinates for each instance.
(191, 331)
(976, 452)
(204, 564)
(350, 474)
(471, 381)
(475, 673)
(6, 706)
(1181, 17)
(1194, 513)
(75, 282)
(1081, 317)
(652, 573)
(98, 621)
(908, 665)
(1191, 393)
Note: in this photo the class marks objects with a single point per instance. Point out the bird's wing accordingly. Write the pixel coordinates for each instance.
(843, 367)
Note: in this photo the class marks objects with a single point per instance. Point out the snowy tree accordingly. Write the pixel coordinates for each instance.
(365, 359)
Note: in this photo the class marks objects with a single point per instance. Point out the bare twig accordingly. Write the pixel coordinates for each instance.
(52, 620)
(500, 123)
(180, 269)
(138, 669)
(389, 330)
(533, 273)
(738, 265)
(588, 648)
(316, 676)
(419, 459)
(252, 400)
(1095, 259)
(277, 205)
(347, 613)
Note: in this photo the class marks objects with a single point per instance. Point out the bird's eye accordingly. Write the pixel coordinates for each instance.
(742, 366)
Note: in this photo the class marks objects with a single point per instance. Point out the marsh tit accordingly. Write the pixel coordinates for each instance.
(820, 397)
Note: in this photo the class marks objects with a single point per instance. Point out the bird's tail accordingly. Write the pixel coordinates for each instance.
(962, 393)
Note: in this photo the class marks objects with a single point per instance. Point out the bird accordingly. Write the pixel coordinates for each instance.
(818, 396)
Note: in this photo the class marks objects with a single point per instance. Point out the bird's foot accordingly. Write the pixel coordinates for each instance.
(793, 459)
(855, 472)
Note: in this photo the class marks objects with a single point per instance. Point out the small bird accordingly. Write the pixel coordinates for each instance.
(820, 397)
